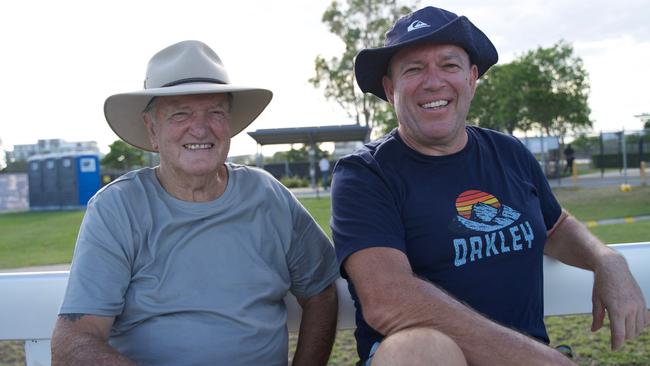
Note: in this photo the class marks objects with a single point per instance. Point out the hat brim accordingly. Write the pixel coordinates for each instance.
(124, 111)
(371, 64)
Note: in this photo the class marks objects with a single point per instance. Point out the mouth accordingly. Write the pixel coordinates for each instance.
(194, 147)
(436, 104)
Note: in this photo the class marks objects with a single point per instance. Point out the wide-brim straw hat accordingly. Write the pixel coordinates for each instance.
(427, 25)
(184, 68)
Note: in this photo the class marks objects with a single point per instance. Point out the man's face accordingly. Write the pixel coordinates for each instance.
(191, 133)
(431, 87)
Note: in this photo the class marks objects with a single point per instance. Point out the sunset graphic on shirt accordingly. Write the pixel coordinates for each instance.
(482, 211)
(466, 201)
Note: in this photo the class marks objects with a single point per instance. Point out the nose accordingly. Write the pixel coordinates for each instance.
(433, 79)
(199, 124)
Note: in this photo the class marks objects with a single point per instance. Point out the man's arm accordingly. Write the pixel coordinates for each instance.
(81, 339)
(393, 298)
(615, 290)
(317, 327)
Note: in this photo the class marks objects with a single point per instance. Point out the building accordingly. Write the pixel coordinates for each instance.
(52, 146)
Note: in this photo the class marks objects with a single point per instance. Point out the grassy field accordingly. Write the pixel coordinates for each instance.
(36, 238)
(604, 203)
(48, 238)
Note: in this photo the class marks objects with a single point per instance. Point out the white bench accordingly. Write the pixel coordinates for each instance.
(30, 301)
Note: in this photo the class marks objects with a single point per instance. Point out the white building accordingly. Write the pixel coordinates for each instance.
(22, 152)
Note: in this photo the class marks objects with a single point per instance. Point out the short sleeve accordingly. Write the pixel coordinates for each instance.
(549, 205)
(365, 212)
(101, 270)
(311, 259)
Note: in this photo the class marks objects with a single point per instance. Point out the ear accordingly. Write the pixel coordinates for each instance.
(151, 130)
(389, 89)
(473, 77)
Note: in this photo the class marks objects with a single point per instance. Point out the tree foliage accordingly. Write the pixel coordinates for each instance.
(18, 166)
(359, 24)
(296, 155)
(123, 156)
(547, 89)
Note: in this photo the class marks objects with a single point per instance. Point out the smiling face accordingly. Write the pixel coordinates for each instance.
(191, 133)
(431, 87)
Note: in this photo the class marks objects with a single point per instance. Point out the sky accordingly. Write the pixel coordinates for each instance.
(61, 59)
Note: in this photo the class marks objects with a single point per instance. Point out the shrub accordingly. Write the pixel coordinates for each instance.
(294, 182)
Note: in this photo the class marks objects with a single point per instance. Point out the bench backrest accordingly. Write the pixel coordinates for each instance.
(30, 301)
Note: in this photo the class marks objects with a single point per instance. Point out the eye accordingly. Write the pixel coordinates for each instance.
(451, 66)
(218, 113)
(180, 116)
(412, 70)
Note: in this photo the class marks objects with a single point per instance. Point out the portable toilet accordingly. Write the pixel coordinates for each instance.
(51, 199)
(35, 181)
(67, 181)
(79, 179)
(63, 181)
(88, 177)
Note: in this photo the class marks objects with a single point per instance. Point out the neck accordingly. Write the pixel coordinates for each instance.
(438, 147)
(201, 188)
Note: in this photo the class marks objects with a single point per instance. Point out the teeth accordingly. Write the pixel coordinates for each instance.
(198, 146)
(436, 104)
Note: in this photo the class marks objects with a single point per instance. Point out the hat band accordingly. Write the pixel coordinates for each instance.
(193, 80)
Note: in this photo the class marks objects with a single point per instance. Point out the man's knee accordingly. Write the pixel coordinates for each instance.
(418, 346)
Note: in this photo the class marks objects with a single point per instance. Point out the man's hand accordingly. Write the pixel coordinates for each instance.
(616, 292)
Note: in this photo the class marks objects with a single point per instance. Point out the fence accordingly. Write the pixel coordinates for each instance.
(603, 150)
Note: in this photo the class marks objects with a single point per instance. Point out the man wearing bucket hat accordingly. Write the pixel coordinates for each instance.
(188, 263)
(441, 227)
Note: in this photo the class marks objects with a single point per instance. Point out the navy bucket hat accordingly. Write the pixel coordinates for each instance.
(427, 25)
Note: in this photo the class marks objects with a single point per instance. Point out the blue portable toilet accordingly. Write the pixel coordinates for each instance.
(88, 177)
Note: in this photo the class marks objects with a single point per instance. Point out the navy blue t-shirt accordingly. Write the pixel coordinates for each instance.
(474, 223)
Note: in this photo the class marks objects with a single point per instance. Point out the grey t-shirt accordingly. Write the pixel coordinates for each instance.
(197, 283)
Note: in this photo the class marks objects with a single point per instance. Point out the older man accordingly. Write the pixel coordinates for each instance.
(188, 263)
(441, 227)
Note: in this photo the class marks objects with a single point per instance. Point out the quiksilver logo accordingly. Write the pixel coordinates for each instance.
(417, 25)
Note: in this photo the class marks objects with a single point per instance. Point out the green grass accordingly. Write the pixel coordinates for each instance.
(40, 238)
(623, 233)
(604, 203)
(37, 238)
(320, 210)
(593, 348)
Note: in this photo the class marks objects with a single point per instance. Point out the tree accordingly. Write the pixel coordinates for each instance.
(497, 103)
(123, 156)
(359, 24)
(18, 166)
(560, 103)
(546, 88)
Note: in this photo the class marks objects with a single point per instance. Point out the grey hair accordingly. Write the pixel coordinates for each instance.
(149, 109)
